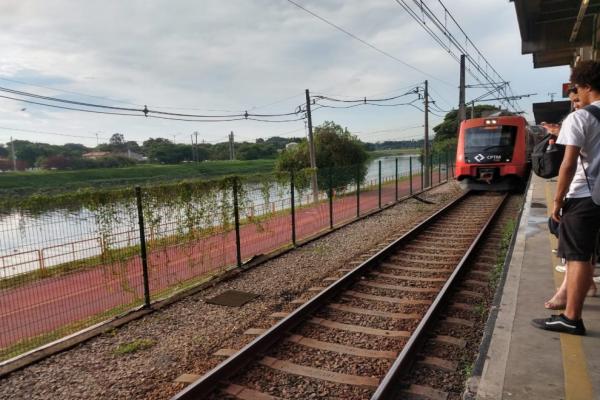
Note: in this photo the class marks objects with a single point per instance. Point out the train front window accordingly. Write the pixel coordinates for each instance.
(483, 136)
(485, 144)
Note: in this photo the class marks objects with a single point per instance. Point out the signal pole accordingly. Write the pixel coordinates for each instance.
(311, 150)
(462, 109)
(426, 182)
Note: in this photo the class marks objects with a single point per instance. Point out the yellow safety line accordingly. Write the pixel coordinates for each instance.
(578, 385)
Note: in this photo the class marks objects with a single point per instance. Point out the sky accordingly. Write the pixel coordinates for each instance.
(228, 57)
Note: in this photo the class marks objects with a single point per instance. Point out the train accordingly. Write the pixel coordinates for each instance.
(494, 152)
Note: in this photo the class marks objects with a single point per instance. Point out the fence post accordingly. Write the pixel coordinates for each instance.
(447, 169)
(396, 179)
(422, 172)
(138, 196)
(293, 205)
(357, 191)
(439, 160)
(431, 170)
(330, 197)
(379, 187)
(410, 174)
(236, 217)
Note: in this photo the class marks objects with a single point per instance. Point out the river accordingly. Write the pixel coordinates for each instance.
(29, 242)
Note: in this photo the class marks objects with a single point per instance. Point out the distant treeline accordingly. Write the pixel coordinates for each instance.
(119, 153)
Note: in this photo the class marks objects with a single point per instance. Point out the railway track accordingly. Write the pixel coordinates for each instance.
(357, 337)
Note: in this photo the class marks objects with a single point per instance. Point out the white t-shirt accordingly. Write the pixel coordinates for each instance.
(582, 129)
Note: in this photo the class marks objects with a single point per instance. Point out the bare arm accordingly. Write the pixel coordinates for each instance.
(565, 176)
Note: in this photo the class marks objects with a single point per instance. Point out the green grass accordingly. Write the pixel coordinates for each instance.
(132, 347)
(26, 183)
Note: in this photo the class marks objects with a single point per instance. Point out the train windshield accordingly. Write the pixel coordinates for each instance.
(484, 144)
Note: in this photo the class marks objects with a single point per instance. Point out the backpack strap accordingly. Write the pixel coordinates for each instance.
(595, 111)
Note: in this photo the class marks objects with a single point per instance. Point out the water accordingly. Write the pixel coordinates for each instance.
(30, 242)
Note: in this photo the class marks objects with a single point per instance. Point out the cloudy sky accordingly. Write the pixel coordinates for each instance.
(226, 57)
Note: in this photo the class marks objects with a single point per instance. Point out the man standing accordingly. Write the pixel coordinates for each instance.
(573, 205)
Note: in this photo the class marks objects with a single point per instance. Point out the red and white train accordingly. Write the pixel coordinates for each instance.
(494, 153)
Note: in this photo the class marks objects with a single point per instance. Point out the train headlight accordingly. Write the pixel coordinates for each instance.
(491, 122)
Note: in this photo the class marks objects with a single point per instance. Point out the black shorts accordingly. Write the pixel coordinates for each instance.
(579, 226)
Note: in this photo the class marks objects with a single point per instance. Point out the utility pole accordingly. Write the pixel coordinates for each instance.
(193, 148)
(311, 150)
(426, 182)
(196, 147)
(12, 150)
(97, 140)
(231, 147)
(462, 109)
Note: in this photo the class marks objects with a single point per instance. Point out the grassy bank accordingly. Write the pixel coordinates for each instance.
(26, 183)
(51, 182)
(393, 152)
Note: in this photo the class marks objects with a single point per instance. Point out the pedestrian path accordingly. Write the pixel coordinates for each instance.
(523, 362)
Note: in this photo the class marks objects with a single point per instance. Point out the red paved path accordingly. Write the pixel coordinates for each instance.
(48, 304)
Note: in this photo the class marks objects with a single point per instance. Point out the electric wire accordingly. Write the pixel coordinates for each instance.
(364, 42)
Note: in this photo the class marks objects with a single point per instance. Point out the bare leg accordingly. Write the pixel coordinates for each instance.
(592, 290)
(560, 297)
(578, 283)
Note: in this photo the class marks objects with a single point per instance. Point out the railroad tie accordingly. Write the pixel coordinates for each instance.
(317, 373)
(438, 363)
(255, 331)
(424, 392)
(340, 348)
(407, 278)
(358, 328)
(187, 378)
(450, 340)
(244, 393)
(398, 287)
(385, 299)
(376, 313)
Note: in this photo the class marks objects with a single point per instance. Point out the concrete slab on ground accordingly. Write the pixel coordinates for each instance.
(524, 362)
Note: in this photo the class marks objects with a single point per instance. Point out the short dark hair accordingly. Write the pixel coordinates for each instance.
(587, 73)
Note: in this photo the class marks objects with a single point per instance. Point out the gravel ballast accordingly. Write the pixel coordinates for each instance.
(181, 338)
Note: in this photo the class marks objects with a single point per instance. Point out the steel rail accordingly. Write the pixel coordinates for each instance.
(210, 381)
(389, 385)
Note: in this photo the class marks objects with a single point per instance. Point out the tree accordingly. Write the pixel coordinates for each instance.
(446, 133)
(338, 155)
(117, 144)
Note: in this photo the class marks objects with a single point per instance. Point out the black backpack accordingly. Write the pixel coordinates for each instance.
(546, 158)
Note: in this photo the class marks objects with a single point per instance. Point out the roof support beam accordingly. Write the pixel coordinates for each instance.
(582, 9)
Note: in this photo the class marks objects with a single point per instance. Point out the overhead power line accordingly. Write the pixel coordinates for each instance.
(479, 67)
(370, 45)
(145, 112)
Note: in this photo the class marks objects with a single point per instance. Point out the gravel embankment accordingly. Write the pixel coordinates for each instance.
(181, 338)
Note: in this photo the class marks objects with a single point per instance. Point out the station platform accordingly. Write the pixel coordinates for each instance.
(523, 362)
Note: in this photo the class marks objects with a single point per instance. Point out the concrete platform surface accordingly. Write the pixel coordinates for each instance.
(524, 362)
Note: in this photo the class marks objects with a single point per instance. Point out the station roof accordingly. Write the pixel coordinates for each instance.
(551, 112)
(553, 30)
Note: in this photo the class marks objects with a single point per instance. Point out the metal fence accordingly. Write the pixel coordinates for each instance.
(65, 269)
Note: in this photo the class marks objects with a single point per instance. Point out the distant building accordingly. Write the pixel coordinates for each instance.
(291, 145)
(95, 155)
